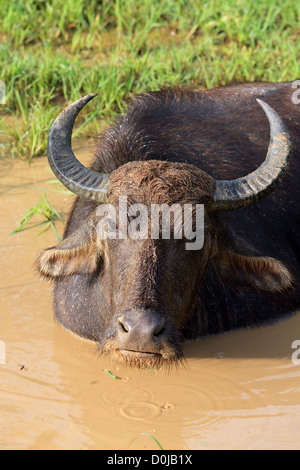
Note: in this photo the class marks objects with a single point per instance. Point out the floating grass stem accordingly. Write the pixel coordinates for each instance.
(146, 434)
(42, 209)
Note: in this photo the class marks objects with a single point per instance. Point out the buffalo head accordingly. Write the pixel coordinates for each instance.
(134, 295)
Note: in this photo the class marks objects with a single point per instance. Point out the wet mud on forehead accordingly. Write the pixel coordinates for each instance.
(237, 391)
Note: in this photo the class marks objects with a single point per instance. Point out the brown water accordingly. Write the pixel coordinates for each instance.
(238, 391)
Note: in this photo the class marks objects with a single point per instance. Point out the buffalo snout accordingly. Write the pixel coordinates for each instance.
(141, 331)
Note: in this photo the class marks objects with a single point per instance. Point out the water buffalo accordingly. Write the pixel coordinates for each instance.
(140, 299)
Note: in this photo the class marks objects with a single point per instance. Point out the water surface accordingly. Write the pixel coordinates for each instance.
(237, 391)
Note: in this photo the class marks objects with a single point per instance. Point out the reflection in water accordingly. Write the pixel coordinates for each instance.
(240, 390)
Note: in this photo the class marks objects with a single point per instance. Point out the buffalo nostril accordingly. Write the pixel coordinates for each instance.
(123, 327)
(159, 330)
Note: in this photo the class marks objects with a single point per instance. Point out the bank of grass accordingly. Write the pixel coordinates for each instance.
(53, 52)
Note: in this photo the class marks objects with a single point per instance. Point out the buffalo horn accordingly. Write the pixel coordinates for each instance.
(69, 171)
(244, 191)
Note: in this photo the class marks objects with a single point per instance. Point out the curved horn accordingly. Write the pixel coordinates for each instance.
(245, 191)
(73, 175)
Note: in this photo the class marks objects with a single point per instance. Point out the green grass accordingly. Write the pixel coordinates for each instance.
(146, 434)
(43, 211)
(53, 52)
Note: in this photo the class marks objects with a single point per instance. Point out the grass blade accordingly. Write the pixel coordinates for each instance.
(146, 434)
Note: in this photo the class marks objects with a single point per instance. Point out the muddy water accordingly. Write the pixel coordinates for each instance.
(237, 391)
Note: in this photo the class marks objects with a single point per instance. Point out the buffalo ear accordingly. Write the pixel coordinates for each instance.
(78, 253)
(259, 272)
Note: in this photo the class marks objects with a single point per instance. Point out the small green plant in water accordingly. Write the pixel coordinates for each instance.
(146, 434)
(44, 209)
